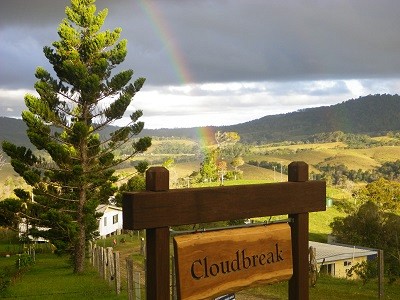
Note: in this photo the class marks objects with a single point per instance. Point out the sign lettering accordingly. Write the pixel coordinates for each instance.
(215, 263)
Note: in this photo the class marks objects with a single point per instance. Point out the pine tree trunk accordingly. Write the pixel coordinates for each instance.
(80, 246)
(80, 251)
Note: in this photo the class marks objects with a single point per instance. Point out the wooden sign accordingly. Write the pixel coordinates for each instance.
(211, 264)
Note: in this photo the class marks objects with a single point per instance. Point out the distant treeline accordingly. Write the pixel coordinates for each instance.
(176, 148)
(355, 141)
(339, 174)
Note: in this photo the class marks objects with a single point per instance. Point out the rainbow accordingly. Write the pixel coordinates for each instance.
(206, 136)
(162, 29)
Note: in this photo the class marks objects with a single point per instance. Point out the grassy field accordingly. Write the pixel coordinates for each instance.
(327, 288)
(312, 154)
(52, 278)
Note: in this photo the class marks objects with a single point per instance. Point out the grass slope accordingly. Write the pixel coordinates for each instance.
(52, 278)
(327, 288)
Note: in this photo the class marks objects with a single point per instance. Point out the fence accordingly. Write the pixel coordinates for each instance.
(107, 263)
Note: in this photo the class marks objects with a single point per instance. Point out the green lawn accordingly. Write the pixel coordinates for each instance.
(52, 278)
(328, 288)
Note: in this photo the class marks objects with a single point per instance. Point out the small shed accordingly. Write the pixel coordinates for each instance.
(337, 259)
(110, 222)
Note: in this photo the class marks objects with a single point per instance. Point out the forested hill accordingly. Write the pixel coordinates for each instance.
(373, 115)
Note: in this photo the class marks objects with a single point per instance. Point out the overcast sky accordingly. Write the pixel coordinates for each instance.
(222, 62)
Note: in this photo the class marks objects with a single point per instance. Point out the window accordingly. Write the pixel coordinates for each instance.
(347, 263)
(105, 221)
(115, 219)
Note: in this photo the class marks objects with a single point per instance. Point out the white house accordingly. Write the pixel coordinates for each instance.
(111, 221)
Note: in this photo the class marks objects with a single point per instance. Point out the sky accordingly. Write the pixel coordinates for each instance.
(221, 62)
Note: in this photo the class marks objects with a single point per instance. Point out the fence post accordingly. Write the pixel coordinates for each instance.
(94, 256)
(104, 263)
(117, 273)
(381, 264)
(138, 295)
(313, 272)
(99, 259)
(90, 252)
(157, 243)
(110, 263)
(129, 278)
(298, 284)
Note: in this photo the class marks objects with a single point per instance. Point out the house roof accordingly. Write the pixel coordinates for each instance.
(102, 208)
(334, 252)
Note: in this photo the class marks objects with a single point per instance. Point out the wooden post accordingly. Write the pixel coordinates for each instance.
(117, 273)
(129, 278)
(94, 256)
(90, 252)
(110, 264)
(381, 264)
(100, 260)
(313, 273)
(104, 263)
(298, 284)
(157, 243)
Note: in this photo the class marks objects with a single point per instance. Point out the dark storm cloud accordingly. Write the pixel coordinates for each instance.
(248, 57)
(222, 41)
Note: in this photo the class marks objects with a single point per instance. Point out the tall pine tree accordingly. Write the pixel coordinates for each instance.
(74, 172)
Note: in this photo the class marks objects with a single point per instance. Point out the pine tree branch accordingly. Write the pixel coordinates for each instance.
(57, 197)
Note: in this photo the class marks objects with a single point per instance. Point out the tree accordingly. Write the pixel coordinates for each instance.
(374, 223)
(222, 168)
(135, 183)
(226, 138)
(169, 163)
(9, 213)
(237, 162)
(384, 193)
(66, 121)
(142, 167)
(208, 168)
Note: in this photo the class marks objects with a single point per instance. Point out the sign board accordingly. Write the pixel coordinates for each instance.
(211, 264)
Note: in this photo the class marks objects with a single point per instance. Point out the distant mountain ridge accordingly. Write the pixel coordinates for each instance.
(373, 115)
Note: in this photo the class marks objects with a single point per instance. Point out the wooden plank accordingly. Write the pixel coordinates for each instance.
(190, 206)
(211, 264)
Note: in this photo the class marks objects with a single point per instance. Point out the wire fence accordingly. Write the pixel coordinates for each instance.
(108, 264)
